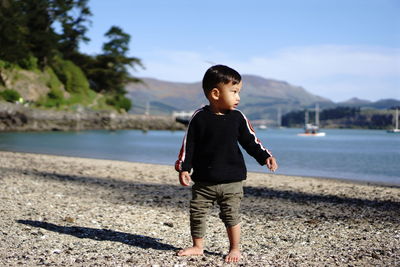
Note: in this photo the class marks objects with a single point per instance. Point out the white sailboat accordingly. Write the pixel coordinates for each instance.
(396, 128)
(309, 128)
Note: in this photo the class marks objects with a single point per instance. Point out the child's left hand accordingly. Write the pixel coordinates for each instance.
(184, 178)
(272, 164)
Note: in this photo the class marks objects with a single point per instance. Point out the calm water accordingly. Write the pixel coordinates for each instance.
(365, 155)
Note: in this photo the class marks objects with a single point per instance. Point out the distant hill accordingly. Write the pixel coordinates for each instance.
(354, 102)
(385, 104)
(380, 104)
(260, 99)
(164, 97)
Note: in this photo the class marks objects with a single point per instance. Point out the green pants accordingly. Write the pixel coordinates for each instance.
(228, 197)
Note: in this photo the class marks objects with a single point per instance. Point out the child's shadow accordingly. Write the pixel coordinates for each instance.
(141, 241)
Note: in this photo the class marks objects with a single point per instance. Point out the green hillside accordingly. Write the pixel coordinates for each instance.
(44, 67)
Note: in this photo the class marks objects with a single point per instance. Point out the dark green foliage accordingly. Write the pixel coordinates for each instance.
(73, 26)
(54, 99)
(26, 28)
(118, 44)
(346, 117)
(26, 31)
(108, 72)
(6, 64)
(71, 76)
(13, 32)
(119, 102)
(53, 82)
(381, 120)
(338, 113)
(30, 63)
(55, 94)
(293, 118)
(41, 37)
(10, 95)
(297, 117)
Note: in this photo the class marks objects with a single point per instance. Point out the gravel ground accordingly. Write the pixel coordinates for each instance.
(64, 211)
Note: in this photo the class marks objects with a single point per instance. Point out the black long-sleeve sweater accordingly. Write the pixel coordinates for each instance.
(211, 148)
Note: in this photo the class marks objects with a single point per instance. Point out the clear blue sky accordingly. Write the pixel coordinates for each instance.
(337, 49)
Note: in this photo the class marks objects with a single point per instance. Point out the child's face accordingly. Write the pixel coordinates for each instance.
(229, 96)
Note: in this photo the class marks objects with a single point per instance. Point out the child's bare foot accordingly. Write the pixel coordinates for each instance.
(192, 251)
(233, 255)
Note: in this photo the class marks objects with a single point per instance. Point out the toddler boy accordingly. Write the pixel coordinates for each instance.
(210, 147)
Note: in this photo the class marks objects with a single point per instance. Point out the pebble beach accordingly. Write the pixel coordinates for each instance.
(66, 211)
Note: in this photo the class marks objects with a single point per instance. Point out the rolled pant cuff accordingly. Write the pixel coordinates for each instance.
(228, 225)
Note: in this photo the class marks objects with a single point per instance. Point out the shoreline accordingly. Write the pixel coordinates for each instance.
(18, 118)
(346, 180)
(69, 211)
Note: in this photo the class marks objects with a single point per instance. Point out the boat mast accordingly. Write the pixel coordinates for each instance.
(147, 110)
(306, 117)
(397, 118)
(279, 117)
(317, 115)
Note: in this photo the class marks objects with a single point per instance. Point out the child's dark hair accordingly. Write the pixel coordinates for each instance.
(219, 74)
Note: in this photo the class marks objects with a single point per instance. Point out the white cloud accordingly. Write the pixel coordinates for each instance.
(325, 61)
(333, 71)
(180, 66)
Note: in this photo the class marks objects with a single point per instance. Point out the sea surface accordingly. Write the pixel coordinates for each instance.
(363, 155)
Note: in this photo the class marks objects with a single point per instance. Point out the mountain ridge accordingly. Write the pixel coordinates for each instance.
(261, 98)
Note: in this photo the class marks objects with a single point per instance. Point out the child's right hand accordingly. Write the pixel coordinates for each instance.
(184, 178)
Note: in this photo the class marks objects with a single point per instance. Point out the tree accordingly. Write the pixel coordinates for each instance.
(118, 44)
(13, 32)
(109, 72)
(28, 38)
(73, 26)
(26, 29)
(42, 38)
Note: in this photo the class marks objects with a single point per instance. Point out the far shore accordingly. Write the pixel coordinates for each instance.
(19, 118)
(78, 211)
(22, 119)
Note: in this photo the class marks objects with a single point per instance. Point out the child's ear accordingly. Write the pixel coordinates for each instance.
(215, 93)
